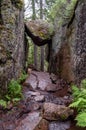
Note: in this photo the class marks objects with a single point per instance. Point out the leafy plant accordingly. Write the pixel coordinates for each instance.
(14, 89)
(81, 119)
(79, 102)
(14, 94)
(3, 103)
(22, 77)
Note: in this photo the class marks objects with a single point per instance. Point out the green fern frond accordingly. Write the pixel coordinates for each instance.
(81, 119)
(76, 91)
(22, 77)
(3, 103)
(83, 84)
(14, 89)
(79, 95)
(79, 104)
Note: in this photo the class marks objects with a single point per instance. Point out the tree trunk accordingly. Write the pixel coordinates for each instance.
(35, 47)
(42, 48)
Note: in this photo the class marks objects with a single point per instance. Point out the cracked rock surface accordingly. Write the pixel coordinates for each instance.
(41, 108)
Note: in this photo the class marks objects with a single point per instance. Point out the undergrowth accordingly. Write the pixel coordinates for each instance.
(14, 91)
(79, 102)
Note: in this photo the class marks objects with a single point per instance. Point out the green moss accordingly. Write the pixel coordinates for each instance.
(63, 10)
(18, 3)
(41, 28)
(22, 77)
(64, 117)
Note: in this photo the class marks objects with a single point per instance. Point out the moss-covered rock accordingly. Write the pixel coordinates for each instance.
(54, 112)
(68, 53)
(18, 3)
(64, 10)
(12, 57)
(39, 31)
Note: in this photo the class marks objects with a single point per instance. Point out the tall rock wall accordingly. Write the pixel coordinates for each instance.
(12, 46)
(68, 53)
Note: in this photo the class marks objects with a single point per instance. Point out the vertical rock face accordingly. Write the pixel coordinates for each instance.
(11, 41)
(68, 53)
(78, 44)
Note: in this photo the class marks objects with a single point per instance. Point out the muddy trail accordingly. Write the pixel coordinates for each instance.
(43, 107)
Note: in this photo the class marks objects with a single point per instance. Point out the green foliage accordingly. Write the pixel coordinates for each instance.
(81, 119)
(79, 95)
(14, 92)
(3, 103)
(18, 3)
(22, 77)
(14, 89)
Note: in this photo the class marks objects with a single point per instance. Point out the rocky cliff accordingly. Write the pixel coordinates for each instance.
(12, 46)
(68, 53)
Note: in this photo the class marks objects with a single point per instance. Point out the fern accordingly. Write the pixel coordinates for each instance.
(22, 77)
(76, 92)
(3, 103)
(83, 84)
(79, 102)
(81, 119)
(14, 89)
(14, 93)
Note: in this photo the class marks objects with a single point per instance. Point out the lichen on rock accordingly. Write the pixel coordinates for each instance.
(18, 3)
(64, 10)
(40, 28)
(12, 54)
(68, 53)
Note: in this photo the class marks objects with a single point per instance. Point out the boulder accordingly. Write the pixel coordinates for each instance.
(59, 125)
(30, 122)
(43, 125)
(38, 80)
(52, 111)
(68, 52)
(40, 31)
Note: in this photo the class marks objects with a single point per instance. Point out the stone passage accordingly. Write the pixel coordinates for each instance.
(44, 105)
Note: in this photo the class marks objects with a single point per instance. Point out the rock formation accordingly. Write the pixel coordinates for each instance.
(40, 31)
(12, 48)
(68, 52)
